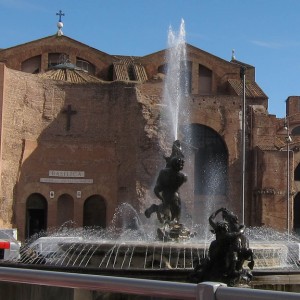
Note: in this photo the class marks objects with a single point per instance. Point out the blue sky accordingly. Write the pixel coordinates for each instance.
(264, 33)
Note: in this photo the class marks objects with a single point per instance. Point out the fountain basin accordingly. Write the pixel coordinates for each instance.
(154, 255)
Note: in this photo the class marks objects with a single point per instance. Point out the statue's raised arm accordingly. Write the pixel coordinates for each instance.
(212, 217)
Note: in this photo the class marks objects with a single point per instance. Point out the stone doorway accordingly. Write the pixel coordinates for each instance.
(296, 221)
(36, 214)
(94, 212)
(210, 161)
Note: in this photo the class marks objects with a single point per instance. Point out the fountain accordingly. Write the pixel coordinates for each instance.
(227, 253)
(167, 190)
(140, 252)
(170, 250)
(173, 253)
(176, 81)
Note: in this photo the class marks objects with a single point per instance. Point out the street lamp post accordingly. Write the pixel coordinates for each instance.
(243, 77)
(288, 141)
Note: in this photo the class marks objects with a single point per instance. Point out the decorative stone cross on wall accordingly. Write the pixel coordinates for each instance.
(69, 112)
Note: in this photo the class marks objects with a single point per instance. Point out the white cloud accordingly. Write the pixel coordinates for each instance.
(267, 44)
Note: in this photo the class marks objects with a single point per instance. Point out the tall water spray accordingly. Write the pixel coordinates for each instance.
(176, 80)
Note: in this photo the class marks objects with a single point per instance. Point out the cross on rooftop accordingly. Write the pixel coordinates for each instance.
(60, 14)
(69, 112)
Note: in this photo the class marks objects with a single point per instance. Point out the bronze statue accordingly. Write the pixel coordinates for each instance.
(227, 252)
(176, 152)
(168, 182)
(166, 189)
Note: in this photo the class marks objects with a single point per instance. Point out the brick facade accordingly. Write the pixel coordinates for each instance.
(115, 142)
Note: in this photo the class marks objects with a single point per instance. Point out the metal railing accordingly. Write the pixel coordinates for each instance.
(155, 288)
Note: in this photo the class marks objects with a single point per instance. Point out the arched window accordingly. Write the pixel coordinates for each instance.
(297, 173)
(85, 65)
(55, 59)
(205, 80)
(32, 65)
(163, 69)
(211, 161)
(36, 214)
(185, 76)
(94, 211)
(65, 210)
(296, 131)
(296, 223)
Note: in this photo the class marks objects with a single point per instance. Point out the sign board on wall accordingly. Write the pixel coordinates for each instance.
(66, 177)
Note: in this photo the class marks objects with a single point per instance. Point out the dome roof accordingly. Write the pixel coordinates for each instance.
(70, 73)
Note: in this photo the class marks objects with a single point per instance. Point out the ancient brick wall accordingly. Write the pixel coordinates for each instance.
(105, 140)
(118, 135)
(269, 204)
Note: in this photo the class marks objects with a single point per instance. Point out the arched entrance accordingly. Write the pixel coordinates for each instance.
(297, 173)
(36, 214)
(65, 210)
(296, 221)
(94, 211)
(211, 161)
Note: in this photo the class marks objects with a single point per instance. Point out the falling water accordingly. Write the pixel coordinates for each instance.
(176, 80)
(112, 249)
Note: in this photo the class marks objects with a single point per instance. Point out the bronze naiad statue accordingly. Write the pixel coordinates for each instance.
(227, 253)
(166, 189)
